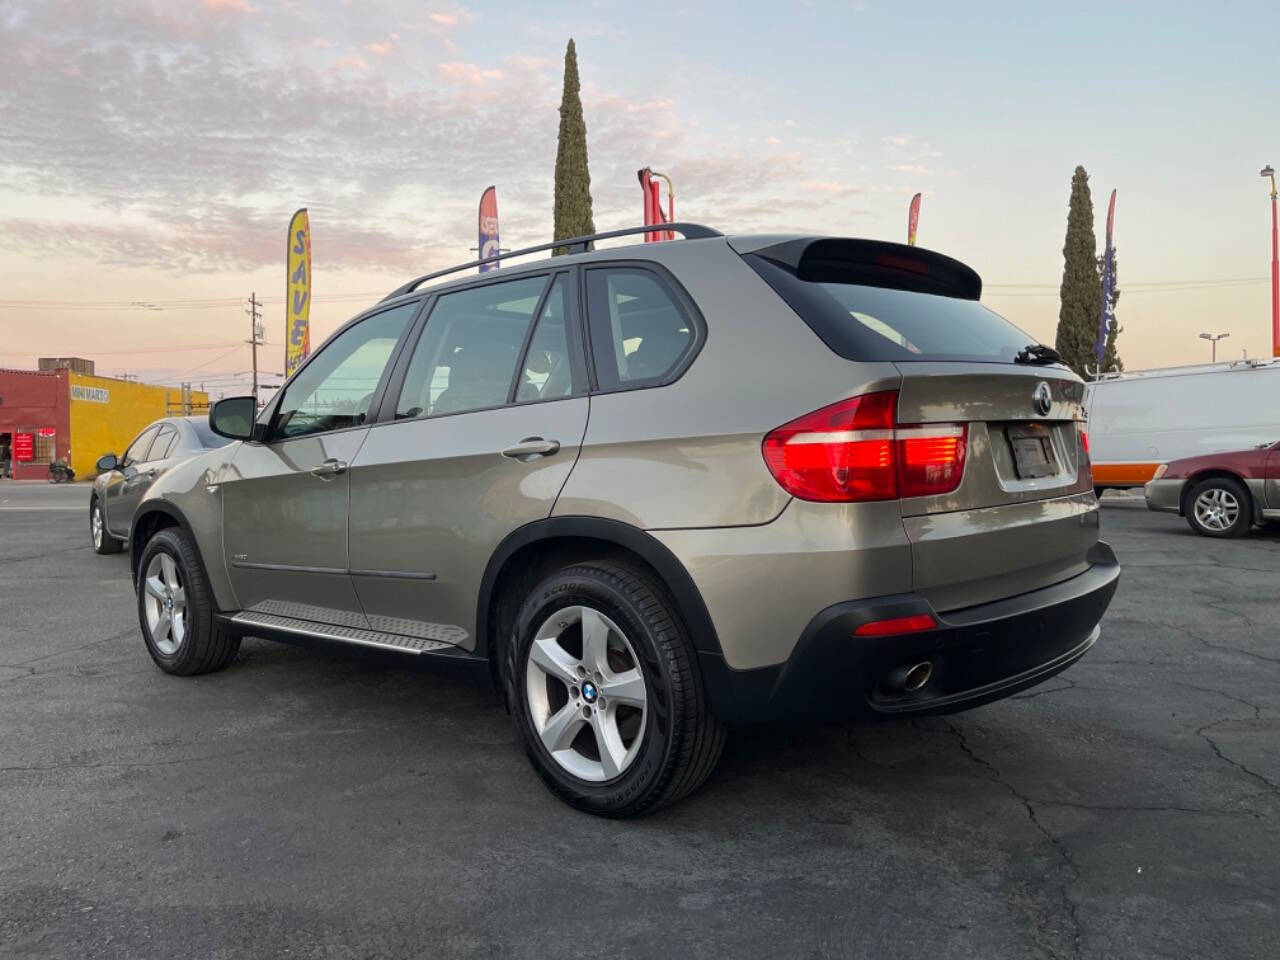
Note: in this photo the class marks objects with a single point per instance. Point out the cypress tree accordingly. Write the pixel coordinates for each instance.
(573, 181)
(1081, 309)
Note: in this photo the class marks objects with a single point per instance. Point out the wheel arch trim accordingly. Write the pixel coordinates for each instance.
(167, 509)
(1211, 473)
(675, 578)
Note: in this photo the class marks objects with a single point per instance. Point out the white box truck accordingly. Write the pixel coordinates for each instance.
(1140, 419)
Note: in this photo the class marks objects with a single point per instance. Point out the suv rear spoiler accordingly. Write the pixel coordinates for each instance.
(870, 263)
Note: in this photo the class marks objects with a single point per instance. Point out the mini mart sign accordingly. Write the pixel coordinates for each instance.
(91, 394)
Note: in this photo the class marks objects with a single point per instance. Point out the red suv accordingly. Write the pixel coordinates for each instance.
(1220, 494)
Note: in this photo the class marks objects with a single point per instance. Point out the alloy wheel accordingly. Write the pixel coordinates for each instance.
(95, 523)
(1217, 509)
(165, 604)
(586, 693)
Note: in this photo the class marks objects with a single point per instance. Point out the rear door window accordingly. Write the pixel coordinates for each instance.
(641, 334)
(163, 443)
(467, 355)
(137, 451)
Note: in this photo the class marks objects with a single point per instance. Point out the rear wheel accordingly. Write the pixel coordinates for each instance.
(175, 609)
(103, 541)
(1219, 507)
(606, 692)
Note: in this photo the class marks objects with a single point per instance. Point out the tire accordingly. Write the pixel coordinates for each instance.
(103, 542)
(665, 748)
(195, 641)
(1219, 507)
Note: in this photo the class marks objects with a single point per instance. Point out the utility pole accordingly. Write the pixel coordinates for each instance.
(257, 333)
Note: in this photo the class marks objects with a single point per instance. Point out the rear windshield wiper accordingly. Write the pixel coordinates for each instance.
(1037, 353)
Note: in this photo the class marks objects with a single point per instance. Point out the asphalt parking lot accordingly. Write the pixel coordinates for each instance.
(309, 805)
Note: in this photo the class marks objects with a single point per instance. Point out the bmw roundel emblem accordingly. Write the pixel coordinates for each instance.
(589, 692)
(1042, 397)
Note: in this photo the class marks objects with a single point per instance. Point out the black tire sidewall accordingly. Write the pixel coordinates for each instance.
(109, 543)
(170, 541)
(1243, 520)
(588, 586)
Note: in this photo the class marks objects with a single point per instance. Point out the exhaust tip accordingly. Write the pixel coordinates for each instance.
(910, 678)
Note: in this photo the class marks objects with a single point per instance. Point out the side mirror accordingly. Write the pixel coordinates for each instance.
(233, 417)
(107, 462)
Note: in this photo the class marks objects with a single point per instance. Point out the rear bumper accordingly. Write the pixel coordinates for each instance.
(1164, 495)
(978, 654)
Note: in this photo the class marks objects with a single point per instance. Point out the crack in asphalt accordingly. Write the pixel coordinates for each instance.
(59, 653)
(1070, 685)
(1202, 733)
(1195, 636)
(1061, 849)
(39, 556)
(125, 764)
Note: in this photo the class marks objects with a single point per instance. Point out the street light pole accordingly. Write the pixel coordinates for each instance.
(1269, 172)
(1213, 339)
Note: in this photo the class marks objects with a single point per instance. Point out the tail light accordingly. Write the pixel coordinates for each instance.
(855, 450)
(1088, 457)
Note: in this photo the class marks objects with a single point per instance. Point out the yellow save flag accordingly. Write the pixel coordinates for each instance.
(297, 294)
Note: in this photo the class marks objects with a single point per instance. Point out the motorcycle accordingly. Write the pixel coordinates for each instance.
(61, 472)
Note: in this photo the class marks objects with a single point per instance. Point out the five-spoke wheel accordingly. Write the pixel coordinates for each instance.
(586, 693)
(165, 603)
(604, 685)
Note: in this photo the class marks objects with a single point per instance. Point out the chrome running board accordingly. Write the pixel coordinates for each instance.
(250, 621)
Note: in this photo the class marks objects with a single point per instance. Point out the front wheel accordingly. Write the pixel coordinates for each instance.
(103, 541)
(175, 609)
(606, 692)
(1219, 507)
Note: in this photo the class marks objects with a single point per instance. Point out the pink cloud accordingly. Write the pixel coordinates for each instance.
(233, 6)
(772, 141)
(350, 61)
(381, 49)
(467, 74)
(444, 19)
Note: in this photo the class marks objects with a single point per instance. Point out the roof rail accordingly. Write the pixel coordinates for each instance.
(691, 231)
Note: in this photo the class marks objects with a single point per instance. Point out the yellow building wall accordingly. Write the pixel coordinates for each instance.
(106, 414)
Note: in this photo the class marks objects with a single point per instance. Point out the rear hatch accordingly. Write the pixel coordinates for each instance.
(1023, 515)
(1014, 509)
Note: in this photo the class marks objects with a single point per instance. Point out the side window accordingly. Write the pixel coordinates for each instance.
(639, 331)
(137, 452)
(548, 372)
(467, 354)
(336, 388)
(163, 443)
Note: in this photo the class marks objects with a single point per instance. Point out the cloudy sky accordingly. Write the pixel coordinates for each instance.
(152, 152)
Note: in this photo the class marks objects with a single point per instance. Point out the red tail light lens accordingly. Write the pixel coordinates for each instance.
(855, 451)
(840, 453)
(931, 458)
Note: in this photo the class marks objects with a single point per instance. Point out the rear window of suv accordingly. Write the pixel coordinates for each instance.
(861, 322)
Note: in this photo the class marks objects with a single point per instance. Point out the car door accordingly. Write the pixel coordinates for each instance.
(285, 502)
(477, 442)
(121, 493)
(1271, 486)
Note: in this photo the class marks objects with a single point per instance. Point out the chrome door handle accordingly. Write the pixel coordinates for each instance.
(330, 468)
(531, 448)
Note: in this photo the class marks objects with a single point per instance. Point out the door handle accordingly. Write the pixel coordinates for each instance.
(330, 468)
(531, 448)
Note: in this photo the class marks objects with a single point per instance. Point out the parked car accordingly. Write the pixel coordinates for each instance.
(121, 481)
(1221, 494)
(1140, 419)
(658, 490)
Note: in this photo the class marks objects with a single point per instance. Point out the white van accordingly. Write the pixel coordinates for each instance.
(1141, 419)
